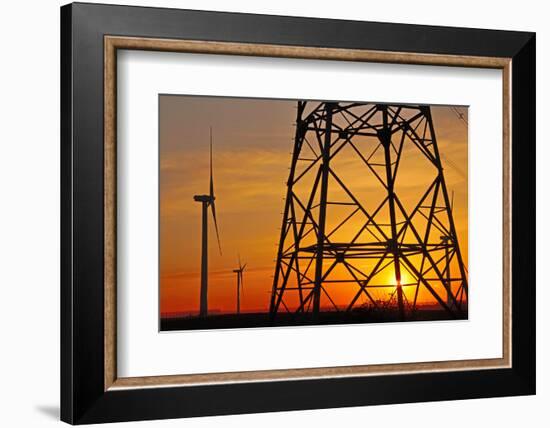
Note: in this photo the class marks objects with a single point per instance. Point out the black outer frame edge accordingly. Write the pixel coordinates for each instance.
(524, 213)
(167, 403)
(133, 21)
(66, 315)
(83, 398)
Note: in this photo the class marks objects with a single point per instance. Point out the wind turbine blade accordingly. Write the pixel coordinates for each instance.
(211, 172)
(242, 282)
(242, 267)
(213, 207)
(212, 197)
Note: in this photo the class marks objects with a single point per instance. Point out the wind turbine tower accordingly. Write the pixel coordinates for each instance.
(240, 283)
(207, 201)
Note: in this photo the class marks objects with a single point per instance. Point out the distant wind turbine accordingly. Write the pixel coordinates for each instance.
(240, 284)
(207, 201)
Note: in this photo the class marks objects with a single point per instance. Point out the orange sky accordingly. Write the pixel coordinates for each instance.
(252, 144)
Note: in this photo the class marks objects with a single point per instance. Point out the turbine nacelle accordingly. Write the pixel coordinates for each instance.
(204, 198)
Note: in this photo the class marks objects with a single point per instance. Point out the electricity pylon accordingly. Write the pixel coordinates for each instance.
(367, 215)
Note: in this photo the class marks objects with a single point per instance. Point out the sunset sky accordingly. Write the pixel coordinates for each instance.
(252, 141)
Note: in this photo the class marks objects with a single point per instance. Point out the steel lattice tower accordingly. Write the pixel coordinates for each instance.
(352, 217)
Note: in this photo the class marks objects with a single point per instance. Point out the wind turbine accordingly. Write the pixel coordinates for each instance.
(207, 201)
(240, 283)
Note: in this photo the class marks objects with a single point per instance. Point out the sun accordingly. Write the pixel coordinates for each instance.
(406, 278)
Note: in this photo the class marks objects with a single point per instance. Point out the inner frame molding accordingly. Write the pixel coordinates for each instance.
(113, 43)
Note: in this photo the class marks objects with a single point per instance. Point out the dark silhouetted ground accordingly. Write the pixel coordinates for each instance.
(247, 320)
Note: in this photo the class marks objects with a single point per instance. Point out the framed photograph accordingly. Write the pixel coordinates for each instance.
(265, 213)
(365, 184)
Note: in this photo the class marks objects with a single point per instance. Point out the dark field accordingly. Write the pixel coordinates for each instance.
(248, 320)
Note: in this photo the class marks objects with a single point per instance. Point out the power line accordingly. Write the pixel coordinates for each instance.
(461, 116)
